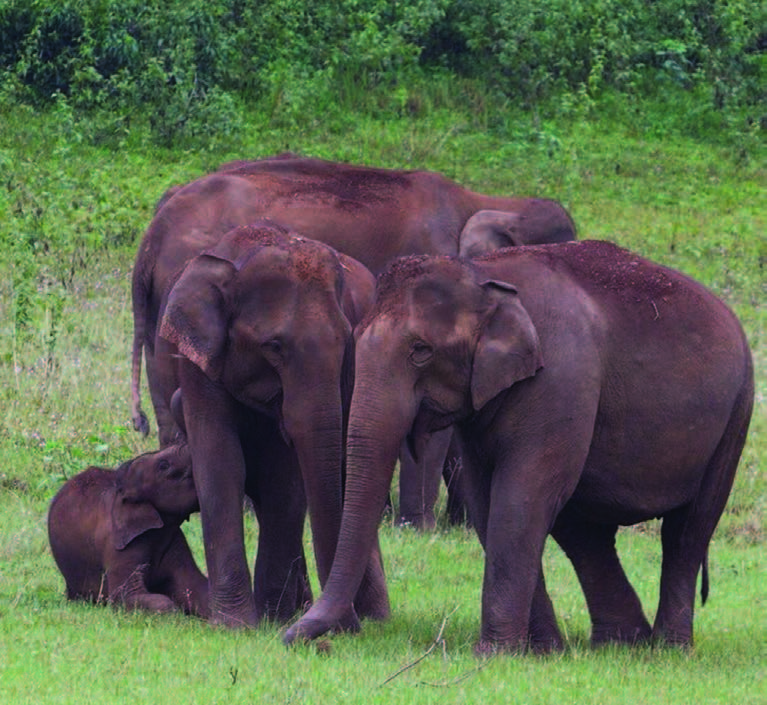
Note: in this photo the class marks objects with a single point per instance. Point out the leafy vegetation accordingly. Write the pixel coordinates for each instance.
(646, 120)
(187, 67)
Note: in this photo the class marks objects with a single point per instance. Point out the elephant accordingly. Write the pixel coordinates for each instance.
(590, 388)
(257, 331)
(371, 214)
(438, 457)
(116, 534)
(226, 166)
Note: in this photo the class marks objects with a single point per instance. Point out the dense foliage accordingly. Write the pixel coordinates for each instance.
(192, 60)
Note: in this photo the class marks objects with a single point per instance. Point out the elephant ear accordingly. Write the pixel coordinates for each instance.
(195, 318)
(130, 520)
(508, 349)
(489, 230)
(358, 289)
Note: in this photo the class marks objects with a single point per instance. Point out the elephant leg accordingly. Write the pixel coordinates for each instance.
(515, 534)
(527, 485)
(178, 576)
(128, 589)
(686, 532)
(544, 632)
(274, 483)
(163, 381)
(615, 611)
(419, 479)
(682, 559)
(457, 509)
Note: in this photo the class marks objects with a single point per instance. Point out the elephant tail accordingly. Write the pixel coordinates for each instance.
(140, 296)
(704, 580)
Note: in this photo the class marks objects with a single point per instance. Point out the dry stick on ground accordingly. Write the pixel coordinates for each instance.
(462, 677)
(437, 640)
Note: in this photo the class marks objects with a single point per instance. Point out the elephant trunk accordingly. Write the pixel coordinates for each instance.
(316, 431)
(376, 430)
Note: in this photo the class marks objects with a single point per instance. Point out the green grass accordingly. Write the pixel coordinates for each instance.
(55, 652)
(71, 212)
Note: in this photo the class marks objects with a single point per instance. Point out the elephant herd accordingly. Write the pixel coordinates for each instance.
(305, 324)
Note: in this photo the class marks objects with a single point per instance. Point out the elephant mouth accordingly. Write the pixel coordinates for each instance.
(269, 406)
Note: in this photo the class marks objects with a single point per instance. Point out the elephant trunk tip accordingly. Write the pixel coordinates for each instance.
(141, 422)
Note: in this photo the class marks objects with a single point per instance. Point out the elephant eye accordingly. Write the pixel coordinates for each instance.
(273, 347)
(163, 465)
(421, 353)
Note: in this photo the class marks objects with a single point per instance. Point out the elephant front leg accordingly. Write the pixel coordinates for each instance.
(219, 476)
(178, 574)
(127, 587)
(280, 575)
(544, 634)
(508, 592)
(372, 599)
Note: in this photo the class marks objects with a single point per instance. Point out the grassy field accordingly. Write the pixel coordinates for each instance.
(71, 213)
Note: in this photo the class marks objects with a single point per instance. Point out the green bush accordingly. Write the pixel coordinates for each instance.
(186, 66)
(532, 48)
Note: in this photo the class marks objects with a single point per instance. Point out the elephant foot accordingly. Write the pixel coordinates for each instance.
(310, 627)
(537, 645)
(151, 602)
(546, 644)
(680, 640)
(421, 522)
(620, 634)
(240, 619)
(485, 648)
(373, 604)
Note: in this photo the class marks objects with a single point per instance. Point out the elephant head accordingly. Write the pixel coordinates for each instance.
(265, 315)
(439, 343)
(151, 490)
(489, 230)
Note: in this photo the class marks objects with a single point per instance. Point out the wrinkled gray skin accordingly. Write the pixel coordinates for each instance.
(590, 388)
(116, 535)
(257, 331)
(373, 215)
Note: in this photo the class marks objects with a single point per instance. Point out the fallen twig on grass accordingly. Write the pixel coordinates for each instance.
(437, 640)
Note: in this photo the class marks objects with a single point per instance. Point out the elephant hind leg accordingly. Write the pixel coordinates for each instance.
(687, 531)
(615, 610)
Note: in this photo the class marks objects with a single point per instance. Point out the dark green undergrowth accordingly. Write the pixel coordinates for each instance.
(188, 67)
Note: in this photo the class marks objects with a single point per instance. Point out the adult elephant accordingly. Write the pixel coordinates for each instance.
(373, 215)
(590, 389)
(257, 335)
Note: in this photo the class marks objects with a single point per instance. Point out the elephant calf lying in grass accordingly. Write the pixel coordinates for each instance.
(116, 534)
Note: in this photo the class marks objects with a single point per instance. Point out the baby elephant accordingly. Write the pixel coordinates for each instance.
(116, 535)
